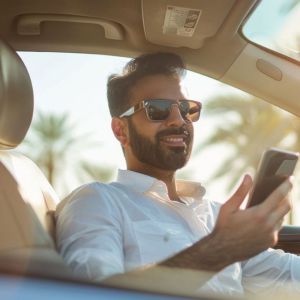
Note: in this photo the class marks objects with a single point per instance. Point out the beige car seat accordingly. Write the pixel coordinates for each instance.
(26, 198)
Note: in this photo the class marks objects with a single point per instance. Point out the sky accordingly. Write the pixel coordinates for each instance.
(275, 25)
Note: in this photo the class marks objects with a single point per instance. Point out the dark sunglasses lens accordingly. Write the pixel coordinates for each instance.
(190, 110)
(184, 108)
(158, 110)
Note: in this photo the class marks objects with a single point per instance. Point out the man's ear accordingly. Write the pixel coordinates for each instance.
(119, 128)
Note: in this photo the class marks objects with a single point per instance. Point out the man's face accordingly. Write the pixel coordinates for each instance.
(163, 144)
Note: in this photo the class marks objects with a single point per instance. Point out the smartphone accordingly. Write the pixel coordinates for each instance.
(275, 167)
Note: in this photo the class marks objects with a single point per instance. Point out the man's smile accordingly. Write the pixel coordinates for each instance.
(178, 140)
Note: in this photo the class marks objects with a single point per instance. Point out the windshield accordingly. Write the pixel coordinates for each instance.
(275, 25)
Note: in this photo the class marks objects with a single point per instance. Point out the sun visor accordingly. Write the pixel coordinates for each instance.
(183, 23)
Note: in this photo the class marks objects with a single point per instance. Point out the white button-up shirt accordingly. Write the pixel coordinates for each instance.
(105, 229)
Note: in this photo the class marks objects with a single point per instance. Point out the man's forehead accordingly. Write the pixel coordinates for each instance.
(158, 86)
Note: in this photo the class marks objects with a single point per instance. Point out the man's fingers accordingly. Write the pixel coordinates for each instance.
(277, 216)
(277, 195)
(239, 195)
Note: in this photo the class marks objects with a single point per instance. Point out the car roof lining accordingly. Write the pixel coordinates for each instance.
(85, 37)
(217, 58)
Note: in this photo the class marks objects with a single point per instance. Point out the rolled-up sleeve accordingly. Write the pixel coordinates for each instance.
(89, 234)
(270, 271)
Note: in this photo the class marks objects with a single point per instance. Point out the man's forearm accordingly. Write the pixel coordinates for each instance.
(209, 254)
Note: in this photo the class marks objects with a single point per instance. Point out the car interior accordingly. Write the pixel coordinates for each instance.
(120, 28)
(27, 199)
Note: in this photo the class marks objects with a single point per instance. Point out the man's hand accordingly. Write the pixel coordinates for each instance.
(238, 234)
(245, 233)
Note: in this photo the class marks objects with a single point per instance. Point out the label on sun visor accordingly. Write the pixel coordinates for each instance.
(181, 21)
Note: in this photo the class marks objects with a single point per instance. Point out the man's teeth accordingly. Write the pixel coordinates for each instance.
(174, 140)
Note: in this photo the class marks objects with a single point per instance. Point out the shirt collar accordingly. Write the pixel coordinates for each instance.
(143, 183)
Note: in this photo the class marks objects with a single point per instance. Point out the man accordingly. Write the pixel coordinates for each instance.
(148, 217)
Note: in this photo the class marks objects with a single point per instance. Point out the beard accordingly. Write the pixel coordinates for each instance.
(158, 155)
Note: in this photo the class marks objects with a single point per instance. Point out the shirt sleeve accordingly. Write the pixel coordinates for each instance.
(271, 271)
(89, 235)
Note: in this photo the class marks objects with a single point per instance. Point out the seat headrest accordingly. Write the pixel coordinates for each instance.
(16, 98)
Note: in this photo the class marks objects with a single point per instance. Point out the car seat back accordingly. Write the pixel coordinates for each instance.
(27, 200)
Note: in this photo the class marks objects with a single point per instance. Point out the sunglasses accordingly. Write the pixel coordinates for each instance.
(160, 109)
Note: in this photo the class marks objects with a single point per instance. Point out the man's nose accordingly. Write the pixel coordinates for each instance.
(175, 118)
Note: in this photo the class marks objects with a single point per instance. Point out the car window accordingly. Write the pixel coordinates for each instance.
(71, 140)
(275, 25)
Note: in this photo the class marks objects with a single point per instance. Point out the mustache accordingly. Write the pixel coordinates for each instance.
(173, 131)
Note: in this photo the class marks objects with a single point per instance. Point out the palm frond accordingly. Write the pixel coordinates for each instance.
(258, 126)
(95, 172)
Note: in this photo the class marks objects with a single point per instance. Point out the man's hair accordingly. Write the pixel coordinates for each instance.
(118, 86)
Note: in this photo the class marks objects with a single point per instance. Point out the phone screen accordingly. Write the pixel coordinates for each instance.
(275, 167)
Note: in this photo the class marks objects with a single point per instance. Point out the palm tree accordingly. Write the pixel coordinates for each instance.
(288, 6)
(52, 141)
(249, 125)
(94, 172)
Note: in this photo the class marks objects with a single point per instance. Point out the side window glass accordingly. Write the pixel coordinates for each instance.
(72, 142)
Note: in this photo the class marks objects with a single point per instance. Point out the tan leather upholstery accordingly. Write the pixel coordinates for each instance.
(26, 197)
(33, 187)
(16, 98)
(20, 225)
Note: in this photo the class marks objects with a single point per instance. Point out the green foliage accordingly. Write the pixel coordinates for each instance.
(49, 140)
(249, 125)
(288, 6)
(54, 144)
(99, 173)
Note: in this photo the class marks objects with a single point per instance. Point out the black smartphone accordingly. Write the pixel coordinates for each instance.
(275, 166)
